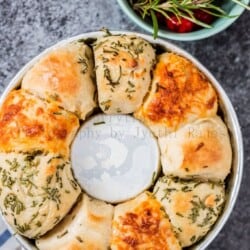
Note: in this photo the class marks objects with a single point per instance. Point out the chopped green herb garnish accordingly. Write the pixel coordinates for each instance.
(179, 214)
(7, 180)
(112, 82)
(131, 84)
(39, 224)
(79, 239)
(106, 104)
(14, 164)
(23, 228)
(63, 234)
(192, 239)
(99, 123)
(84, 63)
(11, 201)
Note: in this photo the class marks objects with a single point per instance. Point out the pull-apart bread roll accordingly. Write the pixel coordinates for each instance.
(179, 95)
(36, 191)
(37, 188)
(192, 206)
(123, 67)
(65, 75)
(141, 223)
(87, 227)
(201, 149)
(28, 123)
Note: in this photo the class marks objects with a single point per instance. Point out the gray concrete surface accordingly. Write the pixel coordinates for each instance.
(29, 26)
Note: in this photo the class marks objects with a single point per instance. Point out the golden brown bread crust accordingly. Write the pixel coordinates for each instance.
(88, 226)
(200, 149)
(28, 123)
(65, 76)
(142, 224)
(180, 94)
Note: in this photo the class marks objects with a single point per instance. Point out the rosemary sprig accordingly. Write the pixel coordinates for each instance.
(241, 4)
(180, 9)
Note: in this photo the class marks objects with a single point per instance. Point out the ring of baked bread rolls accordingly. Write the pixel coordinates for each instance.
(39, 196)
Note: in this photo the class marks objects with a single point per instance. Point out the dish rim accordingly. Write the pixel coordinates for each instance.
(225, 103)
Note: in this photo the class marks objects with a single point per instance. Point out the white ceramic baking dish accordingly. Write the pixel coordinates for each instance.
(233, 181)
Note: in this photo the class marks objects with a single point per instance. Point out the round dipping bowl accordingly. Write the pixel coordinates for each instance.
(230, 118)
(107, 156)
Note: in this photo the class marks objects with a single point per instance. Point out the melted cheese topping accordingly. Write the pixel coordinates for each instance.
(28, 123)
(142, 225)
(180, 94)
